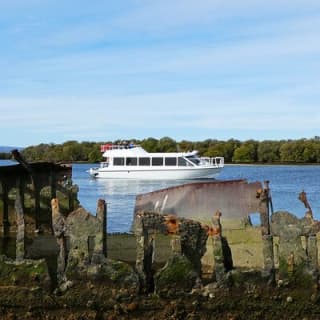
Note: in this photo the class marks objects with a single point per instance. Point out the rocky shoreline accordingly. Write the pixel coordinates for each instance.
(62, 265)
(92, 301)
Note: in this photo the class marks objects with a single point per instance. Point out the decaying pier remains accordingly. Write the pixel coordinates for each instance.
(288, 245)
(39, 208)
(28, 189)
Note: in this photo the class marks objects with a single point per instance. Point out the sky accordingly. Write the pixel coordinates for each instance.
(187, 69)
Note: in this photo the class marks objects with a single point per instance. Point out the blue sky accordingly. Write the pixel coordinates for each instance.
(188, 69)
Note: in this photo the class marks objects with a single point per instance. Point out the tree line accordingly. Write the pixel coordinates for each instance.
(234, 151)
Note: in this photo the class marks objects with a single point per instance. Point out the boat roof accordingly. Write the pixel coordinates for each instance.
(138, 151)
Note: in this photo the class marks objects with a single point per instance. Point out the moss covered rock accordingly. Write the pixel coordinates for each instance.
(121, 274)
(28, 273)
(176, 276)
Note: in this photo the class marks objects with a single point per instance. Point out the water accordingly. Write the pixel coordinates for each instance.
(7, 162)
(286, 182)
(119, 194)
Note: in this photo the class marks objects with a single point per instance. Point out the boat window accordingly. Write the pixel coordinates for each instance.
(118, 161)
(157, 161)
(144, 161)
(182, 162)
(131, 161)
(172, 161)
(104, 164)
(193, 159)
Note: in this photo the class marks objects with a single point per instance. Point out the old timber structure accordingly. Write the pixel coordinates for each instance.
(192, 253)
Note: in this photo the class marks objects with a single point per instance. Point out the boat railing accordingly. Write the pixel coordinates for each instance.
(215, 161)
(105, 147)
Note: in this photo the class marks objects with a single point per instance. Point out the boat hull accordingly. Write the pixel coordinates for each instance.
(156, 174)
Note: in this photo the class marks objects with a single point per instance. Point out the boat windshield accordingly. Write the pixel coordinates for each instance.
(194, 159)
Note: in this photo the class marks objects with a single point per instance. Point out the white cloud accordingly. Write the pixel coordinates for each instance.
(160, 66)
(197, 110)
(167, 15)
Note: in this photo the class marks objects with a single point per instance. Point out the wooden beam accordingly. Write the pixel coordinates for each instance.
(5, 199)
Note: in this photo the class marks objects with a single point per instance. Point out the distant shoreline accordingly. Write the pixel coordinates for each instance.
(273, 164)
(226, 163)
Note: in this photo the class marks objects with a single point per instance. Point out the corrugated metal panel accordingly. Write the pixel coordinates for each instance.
(200, 200)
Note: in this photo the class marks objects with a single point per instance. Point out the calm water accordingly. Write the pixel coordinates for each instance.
(285, 182)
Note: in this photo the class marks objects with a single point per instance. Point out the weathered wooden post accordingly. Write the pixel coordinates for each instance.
(35, 184)
(312, 249)
(142, 241)
(267, 238)
(176, 244)
(303, 198)
(218, 254)
(5, 201)
(59, 228)
(36, 191)
(100, 238)
(20, 246)
(53, 183)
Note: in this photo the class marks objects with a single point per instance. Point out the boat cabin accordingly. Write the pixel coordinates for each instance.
(131, 155)
(133, 162)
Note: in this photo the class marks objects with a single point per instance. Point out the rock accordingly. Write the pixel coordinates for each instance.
(296, 264)
(177, 275)
(280, 283)
(132, 306)
(65, 286)
(246, 278)
(29, 273)
(121, 274)
(196, 291)
(314, 297)
(90, 303)
(11, 316)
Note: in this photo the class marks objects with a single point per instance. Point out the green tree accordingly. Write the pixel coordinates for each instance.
(167, 144)
(215, 149)
(202, 146)
(292, 151)
(150, 145)
(269, 151)
(247, 152)
(36, 153)
(4, 155)
(302, 150)
(228, 149)
(73, 151)
(95, 155)
(184, 146)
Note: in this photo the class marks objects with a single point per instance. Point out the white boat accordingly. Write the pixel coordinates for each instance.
(133, 162)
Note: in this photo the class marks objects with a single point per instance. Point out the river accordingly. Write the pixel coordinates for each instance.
(286, 182)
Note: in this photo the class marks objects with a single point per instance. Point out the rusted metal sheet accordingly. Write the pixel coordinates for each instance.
(235, 199)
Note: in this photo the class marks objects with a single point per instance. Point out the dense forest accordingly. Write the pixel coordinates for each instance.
(234, 151)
